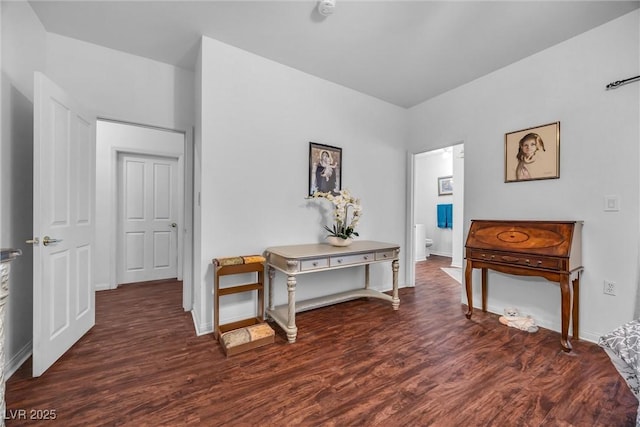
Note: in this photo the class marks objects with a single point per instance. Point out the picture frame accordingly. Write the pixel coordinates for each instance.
(532, 154)
(445, 185)
(325, 168)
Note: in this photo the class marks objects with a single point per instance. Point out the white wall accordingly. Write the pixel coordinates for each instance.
(429, 167)
(599, 156)
(200, 303)
(260, 118)
(23, 45)
(121, 86)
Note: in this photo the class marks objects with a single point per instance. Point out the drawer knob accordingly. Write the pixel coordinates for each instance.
(539, 262)
(315, 263)
(385, 255)
(527, 261)
(366, 257)
(340, 261)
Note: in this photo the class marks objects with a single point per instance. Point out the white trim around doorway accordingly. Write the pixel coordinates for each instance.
(184, 154)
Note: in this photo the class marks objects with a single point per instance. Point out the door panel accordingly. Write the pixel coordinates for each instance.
(162, 197)
(148, 240)
(63, 192)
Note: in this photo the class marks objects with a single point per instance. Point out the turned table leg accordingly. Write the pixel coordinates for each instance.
(366, 276)
(395, 300)
(272, 275)
(292, 330)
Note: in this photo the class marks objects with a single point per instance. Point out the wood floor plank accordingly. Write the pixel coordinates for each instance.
(354, 364)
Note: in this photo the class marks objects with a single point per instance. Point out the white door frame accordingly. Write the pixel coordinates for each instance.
(410, 266)
(185, 195)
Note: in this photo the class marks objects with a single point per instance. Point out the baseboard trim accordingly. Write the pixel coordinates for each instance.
(447, 254)
(18, 360)
(552, 325)
(102, 287)
(205, 329)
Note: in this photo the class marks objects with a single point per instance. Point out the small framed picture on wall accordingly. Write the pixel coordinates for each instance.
(445, 185)
(325, 168)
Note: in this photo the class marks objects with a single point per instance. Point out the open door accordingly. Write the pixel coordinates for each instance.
(63, 223)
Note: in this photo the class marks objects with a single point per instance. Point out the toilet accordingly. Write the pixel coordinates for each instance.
(422, 243)
(427, 244)
(419, 238)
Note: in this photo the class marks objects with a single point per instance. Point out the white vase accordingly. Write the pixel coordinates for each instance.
(339, 241)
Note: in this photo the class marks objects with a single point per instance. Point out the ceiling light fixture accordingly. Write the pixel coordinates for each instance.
(326, 7)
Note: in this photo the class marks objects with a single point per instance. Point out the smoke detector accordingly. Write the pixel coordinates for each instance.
(326, 7)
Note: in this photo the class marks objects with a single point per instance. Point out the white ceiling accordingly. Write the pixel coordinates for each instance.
(403, 52)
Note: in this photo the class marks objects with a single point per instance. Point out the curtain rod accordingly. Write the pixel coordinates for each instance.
(615, 84)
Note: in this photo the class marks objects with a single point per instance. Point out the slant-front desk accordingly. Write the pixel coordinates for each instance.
(549, 249)
(311, 258)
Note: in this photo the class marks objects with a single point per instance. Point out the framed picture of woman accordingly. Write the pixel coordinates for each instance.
(325, 168)
(533, 153)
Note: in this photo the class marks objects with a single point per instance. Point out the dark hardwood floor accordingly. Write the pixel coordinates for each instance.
(355, 364)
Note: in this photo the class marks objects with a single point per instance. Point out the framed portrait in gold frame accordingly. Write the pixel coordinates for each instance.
(532, 153)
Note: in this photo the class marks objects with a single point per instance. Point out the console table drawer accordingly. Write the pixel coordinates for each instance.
(314, 264)
(351, 259)
(522, 260)
(385, 255)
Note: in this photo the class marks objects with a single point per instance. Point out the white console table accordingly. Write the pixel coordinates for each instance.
(311, 258)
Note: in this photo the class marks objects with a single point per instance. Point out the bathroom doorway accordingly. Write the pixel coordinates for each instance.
(437, 206)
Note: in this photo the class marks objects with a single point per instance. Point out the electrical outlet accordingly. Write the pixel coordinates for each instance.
(609, 287)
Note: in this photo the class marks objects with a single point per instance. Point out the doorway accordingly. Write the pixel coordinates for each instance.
(431, 174)
(116, 139)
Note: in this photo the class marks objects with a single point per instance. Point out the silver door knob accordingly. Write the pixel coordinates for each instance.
(34, 241)
(174, 225)
(48, 240)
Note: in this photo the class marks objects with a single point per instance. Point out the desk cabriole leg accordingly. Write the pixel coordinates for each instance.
(576, 306)
(292, 330)
(395, 300)
(565, 294)
(272, 275)
(485, 279)
(467, 282)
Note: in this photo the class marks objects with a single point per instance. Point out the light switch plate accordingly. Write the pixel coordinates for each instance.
(611, 203)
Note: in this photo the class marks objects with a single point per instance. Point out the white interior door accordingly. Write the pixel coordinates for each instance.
(63, 223)
(148, 212)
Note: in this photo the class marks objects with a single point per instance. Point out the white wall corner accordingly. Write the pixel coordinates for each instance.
(201, 328)
(17, 360)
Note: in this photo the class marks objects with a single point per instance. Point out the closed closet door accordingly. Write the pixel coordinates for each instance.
(148, 212)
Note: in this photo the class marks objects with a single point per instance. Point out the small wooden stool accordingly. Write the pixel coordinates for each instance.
(242, 335)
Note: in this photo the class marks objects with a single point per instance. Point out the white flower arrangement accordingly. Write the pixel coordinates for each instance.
(344, 227)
